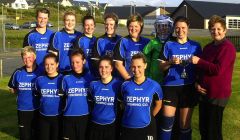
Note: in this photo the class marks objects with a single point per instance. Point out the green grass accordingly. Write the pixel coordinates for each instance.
(231, 119)
(8, 113)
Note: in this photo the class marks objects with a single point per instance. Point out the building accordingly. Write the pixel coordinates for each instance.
(64, 3)
(15, 4)
(84, 6)
(199, 13)
(149, 13)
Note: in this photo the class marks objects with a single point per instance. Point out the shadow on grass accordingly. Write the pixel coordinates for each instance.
(8, 116)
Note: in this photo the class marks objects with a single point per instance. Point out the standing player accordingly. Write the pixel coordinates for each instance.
(129, 45)
(164, 29)
(22, 83)
(104, 96)
(75, 87)
(87, 41)
(50, 102)
(39, 38)
(62, 42)
(142, 99)
(106, 43)
(178, 85)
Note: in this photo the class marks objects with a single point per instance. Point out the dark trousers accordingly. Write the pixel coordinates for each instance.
(102, 132)
(49, 127)
(146, 133)
(74, 127)
(27, 123)
(210, 121)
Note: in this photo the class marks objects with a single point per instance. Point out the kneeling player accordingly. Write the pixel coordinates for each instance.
(142, 101)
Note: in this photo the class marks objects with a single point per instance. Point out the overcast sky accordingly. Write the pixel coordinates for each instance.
(154, 2)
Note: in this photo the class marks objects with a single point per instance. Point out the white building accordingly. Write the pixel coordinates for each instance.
(16, 4)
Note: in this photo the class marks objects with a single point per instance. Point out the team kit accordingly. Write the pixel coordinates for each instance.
(75, 86)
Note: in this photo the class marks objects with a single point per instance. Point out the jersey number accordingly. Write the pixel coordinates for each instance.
(150, 137)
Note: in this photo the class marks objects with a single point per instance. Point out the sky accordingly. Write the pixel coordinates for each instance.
(166, 3)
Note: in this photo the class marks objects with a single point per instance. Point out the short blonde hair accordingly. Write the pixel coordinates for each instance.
(136, 17)
(28, 49)
(216, 19)
(69, 13)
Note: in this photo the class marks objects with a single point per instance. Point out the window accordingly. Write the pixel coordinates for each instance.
(234, 23)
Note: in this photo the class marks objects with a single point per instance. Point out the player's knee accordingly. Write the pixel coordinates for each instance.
(167, 123)
(185, 124)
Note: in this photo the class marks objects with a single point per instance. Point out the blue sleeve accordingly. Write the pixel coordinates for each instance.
(64, 85)
(26, 40)
(38, 92)
(12, 82)
(54, 45)
(76, 43)
(122, 90)
(164, 52)
(96, 53)
(119, 51)
(90, 92)
(158, 90)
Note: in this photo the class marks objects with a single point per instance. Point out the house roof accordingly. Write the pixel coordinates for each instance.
(123, 12)
(86, 4)
(47, 1)
(7, 1)
(207, 9)
(81, 3)
(170, 9)
(102, 5)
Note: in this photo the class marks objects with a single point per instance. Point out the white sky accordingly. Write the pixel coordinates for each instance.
(156, 3)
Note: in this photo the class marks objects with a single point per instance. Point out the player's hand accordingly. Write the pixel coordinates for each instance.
(194, 59)
(175, 60)
(200, 89)
(14, 91)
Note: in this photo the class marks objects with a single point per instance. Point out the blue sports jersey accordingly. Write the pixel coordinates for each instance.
(87, 45)
(49, 89)
(184, 52)
(62, 43)
(138, 100)
(24, 82)
(75, 87)
(104, 97)
(126, 48)
(105, 45)
(40, 42)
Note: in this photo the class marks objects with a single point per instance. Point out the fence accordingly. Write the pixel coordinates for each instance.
(236, 41)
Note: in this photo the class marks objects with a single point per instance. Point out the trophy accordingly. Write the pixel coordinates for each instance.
(184, 63)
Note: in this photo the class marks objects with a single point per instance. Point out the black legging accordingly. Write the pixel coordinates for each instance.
(210, 121)
(27, 124)
(49, 127)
